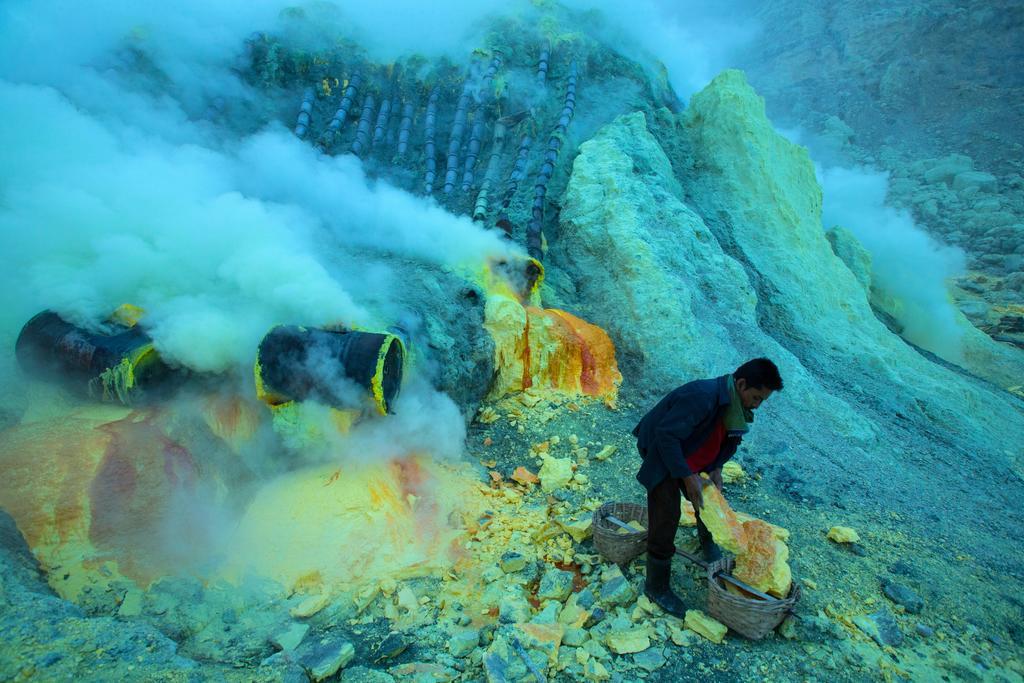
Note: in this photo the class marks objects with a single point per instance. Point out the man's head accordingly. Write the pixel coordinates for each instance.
(755, 381)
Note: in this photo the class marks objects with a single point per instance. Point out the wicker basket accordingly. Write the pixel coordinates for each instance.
(750, 617)
(610, 542)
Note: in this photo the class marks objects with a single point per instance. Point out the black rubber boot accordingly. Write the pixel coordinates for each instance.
(657, 589)
(712, 553)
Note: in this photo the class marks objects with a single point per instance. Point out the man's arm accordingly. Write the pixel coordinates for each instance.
(676, 425)
(716, 477)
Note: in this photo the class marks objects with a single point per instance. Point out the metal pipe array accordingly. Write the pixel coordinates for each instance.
(362, 141)
(305, 113)
(329, 136)
(430, 126)
(534, 238)
(455, 142)
(405, 128)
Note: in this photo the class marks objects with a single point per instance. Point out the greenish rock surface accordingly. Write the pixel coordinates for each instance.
(555, 584)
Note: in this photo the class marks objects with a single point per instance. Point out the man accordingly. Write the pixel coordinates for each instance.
(695, 428)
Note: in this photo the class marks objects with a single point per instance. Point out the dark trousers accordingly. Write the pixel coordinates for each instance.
(663, 512)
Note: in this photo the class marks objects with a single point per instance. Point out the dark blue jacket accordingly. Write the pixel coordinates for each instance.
(678, 425)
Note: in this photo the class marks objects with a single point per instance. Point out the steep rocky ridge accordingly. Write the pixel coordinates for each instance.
(930, 92)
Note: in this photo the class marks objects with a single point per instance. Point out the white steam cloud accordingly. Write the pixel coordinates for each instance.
(695, 40)
(114, 188)
(907, 263)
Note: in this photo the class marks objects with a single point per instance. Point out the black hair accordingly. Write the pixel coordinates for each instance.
(760, 373)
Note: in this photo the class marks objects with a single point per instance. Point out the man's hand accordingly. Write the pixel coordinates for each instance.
(693, 485)
(716, 478)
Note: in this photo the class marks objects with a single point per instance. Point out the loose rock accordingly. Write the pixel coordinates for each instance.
(901, 595)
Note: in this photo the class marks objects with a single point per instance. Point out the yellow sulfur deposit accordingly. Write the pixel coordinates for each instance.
(555, 473)
(732, 472)
(761, 555)
(337, 527)
(543, 349)
(701, 623)
(688, 516)
(843, 534)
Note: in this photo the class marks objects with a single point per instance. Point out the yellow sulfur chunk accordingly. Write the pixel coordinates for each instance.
(555, 473)
(701, 623)
(732, 472)
(843, 534)
(760, 554)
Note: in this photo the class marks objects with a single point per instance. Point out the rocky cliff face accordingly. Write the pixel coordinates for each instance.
(929, 92)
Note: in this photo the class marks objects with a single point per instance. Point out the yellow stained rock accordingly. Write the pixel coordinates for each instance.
(579, 529)
(706, 626)
(555, 473)
(309, 606)
(627, 641)
(760, 554)
(732, 472)
(525, 476)
(544, 637)
(548, 351)
(346, 525)
(605, 452)
(843, 534)
(595, 670)
(688, 516)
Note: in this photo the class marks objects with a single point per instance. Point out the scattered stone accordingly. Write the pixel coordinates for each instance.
(579, 529)
(555, 473)
(650, 660)
(596, 617)
(681, 637)
(595, 671)
(706, 626)
(901, 595)
(854, 549)
(462, 643)
(843, 534)
(924, 631)
(543, 638)
(512, 562)
(525, 476)
(618, 591)
(586, 598)
(309, 606)
(513, 609)
(787, 629)
(323, 659)
(985, 182)
(595, 649)
(555, 585)
(732, 472)
(627, 641)
(288, 640)
(424, 672)
(392, 646)
(548, 615)
(574, 637)
(495, 668)
(810, 584)
(361, 674)
(492, 574)
(880, 627)
(605, 452)
(948, 168)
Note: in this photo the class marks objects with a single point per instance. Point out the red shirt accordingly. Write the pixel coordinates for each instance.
(707, 451)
